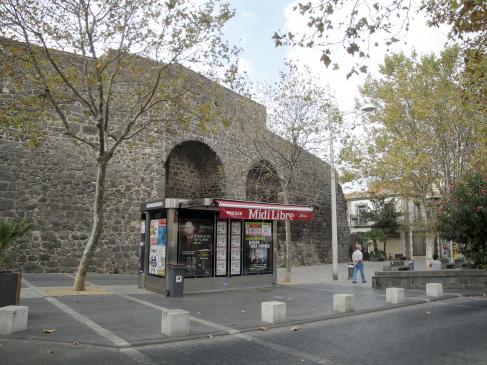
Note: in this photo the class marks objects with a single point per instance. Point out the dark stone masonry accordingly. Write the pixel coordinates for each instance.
(53, 186)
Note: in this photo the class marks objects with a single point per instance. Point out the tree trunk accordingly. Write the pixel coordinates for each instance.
(287, 277)
(97, 227)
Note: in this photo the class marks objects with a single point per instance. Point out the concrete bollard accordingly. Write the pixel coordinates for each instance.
(395, 295)
(175, 322)
(13, 318)
(273, 312)
(343, 303)
(434, 289)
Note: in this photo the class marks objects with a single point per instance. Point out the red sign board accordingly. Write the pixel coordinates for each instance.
(247, 210)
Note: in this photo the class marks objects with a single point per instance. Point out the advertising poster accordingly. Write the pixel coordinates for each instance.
(221, 248)
(157, 249)
(196, 245)
(257, 247)
(235, 260)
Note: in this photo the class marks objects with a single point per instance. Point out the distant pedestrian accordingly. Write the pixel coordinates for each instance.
(358, 264)
(435, 264)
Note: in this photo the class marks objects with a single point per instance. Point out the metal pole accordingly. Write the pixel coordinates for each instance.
(334, 233)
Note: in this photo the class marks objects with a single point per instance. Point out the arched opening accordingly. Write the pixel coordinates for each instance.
(263, 183)
(193, 170)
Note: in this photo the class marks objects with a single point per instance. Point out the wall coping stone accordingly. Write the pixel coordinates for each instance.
(442, 273)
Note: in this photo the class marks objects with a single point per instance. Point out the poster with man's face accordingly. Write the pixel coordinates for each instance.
(196, 245)
(258, 247)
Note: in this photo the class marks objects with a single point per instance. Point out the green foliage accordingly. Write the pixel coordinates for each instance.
(424, 133)
(383, 215)
(462, 217)
(384, 218)
(356, 25)
(10, 231)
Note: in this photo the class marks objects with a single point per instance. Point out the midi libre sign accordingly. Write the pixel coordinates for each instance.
(247, 210)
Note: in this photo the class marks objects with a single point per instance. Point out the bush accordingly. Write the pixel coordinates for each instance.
(462, 217)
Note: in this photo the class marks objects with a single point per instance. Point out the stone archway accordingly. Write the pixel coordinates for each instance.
(263, 183)
(193, 170)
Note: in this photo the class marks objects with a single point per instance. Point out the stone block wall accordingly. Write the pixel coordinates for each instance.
(53, 186)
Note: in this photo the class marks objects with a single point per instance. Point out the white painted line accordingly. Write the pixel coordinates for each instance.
(109, 335)
(195, 319)
(240, 335)
(283, 349)
(137, 356)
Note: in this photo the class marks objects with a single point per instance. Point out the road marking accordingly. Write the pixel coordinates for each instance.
(286, 350)
(195, 319)
(135, 355)
(237, 334)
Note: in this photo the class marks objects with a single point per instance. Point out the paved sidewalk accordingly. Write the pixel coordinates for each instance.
(114, 312)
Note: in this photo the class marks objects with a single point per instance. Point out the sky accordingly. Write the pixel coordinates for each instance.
(256, 21)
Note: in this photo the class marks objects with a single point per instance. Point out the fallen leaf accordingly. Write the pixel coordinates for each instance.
(263, 329)
(294, 328)
(49, 331)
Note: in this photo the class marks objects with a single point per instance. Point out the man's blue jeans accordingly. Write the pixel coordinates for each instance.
(358, 267)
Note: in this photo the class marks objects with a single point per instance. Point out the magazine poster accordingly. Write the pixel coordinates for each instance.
(235, 268)
(258, 247)
(196, 245)
(236, 228)
(221, 228)
(157, 260)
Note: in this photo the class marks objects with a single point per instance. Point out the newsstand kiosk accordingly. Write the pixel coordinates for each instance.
(210, 244)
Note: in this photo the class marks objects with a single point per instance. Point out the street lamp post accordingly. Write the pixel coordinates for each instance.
(334, 226)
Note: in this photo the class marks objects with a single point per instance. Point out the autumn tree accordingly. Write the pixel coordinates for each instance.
(359, 26)
(424, 134)
(298, 112)
(116, 61)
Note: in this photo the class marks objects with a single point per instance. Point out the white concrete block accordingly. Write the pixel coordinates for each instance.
(13, 318)
(343, 303)
(395, 295)
(273, 312)
(175, 322)
(434, 289)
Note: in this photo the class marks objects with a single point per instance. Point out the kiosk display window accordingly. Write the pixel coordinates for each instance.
(157, 248)
(221, 248)
(235, 249)
(257, 247)
(196, 246)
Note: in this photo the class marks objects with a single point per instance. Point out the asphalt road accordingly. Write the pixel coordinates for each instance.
(452, 331)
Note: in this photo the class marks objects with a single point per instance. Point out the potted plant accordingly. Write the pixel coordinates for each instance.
(10, 282)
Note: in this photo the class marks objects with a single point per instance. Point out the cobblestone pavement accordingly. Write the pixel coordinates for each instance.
(452, 331)
(117, 323)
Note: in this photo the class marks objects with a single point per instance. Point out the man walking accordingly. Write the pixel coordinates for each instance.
(358, 263)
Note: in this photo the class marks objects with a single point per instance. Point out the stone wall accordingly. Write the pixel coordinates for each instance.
(450, 279)
(53, 186)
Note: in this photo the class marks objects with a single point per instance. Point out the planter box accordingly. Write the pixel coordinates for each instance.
(450, 279)
(10, 283)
